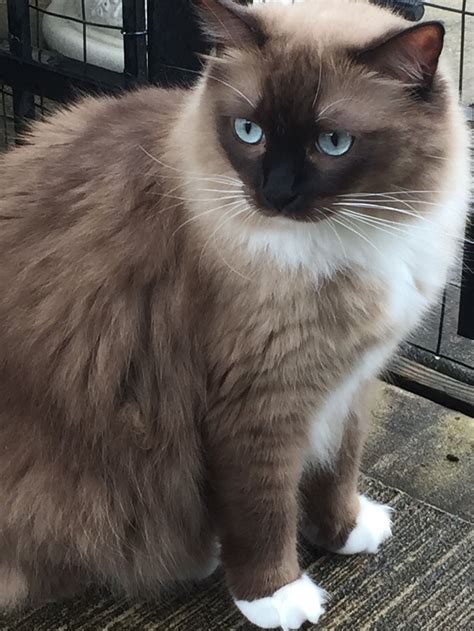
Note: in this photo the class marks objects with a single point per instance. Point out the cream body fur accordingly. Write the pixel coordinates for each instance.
(196, 290)
(409, 265)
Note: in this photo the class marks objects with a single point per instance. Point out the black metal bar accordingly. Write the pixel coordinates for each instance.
(442, 316)
(174, 39)
(134, 41)
(76, 20)
(462, 47)
(434, 5)
(37, 24)
(410, 9)
(19, 38)
(84, 31)
(466, 306)
(56, 77)
(4, 116)
(19, 28)
(23, 109)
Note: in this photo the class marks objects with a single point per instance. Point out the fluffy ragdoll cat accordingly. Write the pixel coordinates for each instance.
(196, 288)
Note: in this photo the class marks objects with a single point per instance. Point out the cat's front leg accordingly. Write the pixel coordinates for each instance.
(255, 467)
(336, 517)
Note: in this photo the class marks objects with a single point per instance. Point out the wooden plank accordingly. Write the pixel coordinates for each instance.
(431, 384)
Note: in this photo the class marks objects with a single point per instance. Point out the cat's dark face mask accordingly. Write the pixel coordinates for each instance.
(305, 128)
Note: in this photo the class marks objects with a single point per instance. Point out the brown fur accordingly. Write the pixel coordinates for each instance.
(156, 381)
(329, 521)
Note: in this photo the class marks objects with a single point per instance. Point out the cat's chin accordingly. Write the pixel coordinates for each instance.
(303, 215)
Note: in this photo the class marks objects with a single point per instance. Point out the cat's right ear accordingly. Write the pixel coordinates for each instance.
(228, 24)
(410, 56)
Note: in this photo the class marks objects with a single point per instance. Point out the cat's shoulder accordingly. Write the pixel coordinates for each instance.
(108, 120)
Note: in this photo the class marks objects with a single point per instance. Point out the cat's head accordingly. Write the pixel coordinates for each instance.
(318, 106)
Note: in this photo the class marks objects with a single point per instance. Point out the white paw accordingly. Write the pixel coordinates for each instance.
(289, 607)
(373, 526)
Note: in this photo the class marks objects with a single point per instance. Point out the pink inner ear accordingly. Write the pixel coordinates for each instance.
(418, 48)
(229, 24)
(426, 43)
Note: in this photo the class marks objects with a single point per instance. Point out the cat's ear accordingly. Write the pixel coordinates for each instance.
(229, 24)
(410, 56)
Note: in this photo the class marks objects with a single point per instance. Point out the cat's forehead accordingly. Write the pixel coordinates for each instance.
(291, 84)
(328, 25)
(304, 66)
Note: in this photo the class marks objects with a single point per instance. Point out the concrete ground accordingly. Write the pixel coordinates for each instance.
(419, 461)
(423, 449)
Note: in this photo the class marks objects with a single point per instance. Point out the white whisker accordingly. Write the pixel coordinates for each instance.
(429, 224)
(318, 90)
(212, 236)
(391, 230)
(342, 223)
(406, 202)
(216, 179)
(399, 192)
(206, 212)
(330, 224)
(443, 158)
(226, 214)
(331, 105)
(203, 199)
(393, 227)
(189, 174)
(207, 75)
(380, 207)
(217, 190)
(378, 220)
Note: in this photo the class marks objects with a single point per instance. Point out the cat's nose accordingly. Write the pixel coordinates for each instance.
(280, 200)
(279, 187)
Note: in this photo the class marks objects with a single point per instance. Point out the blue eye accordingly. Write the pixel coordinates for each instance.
(334, 143)
(248, 131)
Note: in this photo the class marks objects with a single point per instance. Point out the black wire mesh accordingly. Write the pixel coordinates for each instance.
(77, 14)
(8, 133)
(445, 333)
(156, 40)
(7, 130)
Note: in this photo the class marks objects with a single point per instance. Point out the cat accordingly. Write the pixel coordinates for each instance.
(197, 288)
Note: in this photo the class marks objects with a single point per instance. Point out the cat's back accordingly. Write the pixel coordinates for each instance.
(81, 225)
(85, 177)
(93, 141)
(85, 254)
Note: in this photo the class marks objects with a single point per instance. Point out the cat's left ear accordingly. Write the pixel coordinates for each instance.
(410, 56)
(229, 24)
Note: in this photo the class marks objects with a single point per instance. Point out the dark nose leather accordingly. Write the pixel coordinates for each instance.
(278, 188)
(279, 200)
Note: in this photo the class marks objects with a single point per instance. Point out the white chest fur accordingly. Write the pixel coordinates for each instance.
(327, 423)
(413, 274)
(412, 263)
